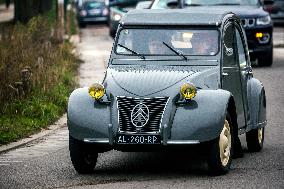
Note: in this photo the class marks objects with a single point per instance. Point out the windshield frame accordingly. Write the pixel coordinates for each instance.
(156, 3)
(161, 27)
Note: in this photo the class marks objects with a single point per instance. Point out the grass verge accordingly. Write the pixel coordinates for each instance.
(37, 74)
(21, 117)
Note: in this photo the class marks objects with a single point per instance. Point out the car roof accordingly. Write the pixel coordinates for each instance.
(174, 17)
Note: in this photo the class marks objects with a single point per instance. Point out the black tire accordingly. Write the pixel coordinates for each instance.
(215, 164)
(112, 33)
(266, 60)
(82, 24)
(254, 143)
(83, 158)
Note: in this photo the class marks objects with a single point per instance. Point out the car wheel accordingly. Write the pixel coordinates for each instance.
(221, 150)
(82, 24)
(83, 159)
(255, 138)
(266, 60)
(112, 33)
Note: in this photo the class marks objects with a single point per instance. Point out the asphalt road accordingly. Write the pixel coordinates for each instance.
(45, 163)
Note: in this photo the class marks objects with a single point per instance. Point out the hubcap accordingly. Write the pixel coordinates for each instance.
(225, 144)
(260, 135)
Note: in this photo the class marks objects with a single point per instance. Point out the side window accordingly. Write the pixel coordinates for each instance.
(241, 51)
(228, 47)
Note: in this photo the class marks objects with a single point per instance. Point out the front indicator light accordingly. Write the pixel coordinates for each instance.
(258, 35)
(188, 91)
(96, 91)
(262, 37)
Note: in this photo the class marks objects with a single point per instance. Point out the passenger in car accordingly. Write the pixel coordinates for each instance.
(204, 44)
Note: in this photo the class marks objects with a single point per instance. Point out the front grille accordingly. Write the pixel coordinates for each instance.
(155, 107)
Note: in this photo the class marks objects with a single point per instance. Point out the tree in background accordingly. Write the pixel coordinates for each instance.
(7, 2)
(26, 9)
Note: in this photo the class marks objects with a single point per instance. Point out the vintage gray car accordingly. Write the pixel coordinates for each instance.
(175, 79)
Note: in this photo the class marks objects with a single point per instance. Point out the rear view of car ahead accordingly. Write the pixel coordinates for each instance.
(256, 21)
(118, 8)
(176, 80)
(92, 11)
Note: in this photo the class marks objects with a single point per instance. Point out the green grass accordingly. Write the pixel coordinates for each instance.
(22, 118)
(33, 46)
(51, 81)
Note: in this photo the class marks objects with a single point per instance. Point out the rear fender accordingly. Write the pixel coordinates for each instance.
(257, 105)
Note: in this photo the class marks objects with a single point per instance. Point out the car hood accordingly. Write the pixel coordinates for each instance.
(241, 11)
(147, 80)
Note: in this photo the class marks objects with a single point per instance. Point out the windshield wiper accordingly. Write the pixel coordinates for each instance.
(225, 4)
(132, 51)
(192, 5)
(179, 53)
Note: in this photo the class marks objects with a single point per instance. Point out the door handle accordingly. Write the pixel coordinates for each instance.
(225, 74)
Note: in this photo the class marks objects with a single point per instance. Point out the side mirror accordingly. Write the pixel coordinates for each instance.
(268, 2)
(175, 4)
(144, 5)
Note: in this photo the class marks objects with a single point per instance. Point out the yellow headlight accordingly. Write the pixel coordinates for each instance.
(188, 91)
(97, 91)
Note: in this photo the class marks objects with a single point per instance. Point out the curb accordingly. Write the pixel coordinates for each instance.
(60, 123)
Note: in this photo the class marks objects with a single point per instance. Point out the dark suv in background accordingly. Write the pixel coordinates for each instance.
(117, 9)
(92, 11)
(256, 21)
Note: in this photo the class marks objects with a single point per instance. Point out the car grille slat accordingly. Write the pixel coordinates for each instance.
(156, 107)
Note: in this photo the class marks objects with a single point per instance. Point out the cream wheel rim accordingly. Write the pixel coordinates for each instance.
(225, 144)
(260, 135)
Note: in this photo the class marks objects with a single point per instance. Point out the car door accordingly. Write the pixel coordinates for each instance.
(231, 80)
(244, 64)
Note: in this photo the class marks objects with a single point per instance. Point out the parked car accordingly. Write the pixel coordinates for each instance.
(118, 9)
(162, 91)
(257, 22)
(92, 11)
(276, 10)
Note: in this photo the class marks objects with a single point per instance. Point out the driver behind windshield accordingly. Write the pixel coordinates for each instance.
(204, 44)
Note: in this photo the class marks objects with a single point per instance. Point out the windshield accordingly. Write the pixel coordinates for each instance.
(94, 4)
(176, 42)
(128, 2)
(164, 4)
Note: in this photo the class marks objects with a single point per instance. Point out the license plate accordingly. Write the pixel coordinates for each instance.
(94, 11)
(138, 139)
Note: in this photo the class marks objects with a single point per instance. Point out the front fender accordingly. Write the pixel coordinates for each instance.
(202, 118)
(85, 117)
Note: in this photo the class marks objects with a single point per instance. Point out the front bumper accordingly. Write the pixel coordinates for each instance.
(93, 19)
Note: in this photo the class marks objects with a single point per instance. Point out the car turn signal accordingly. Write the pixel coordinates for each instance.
(188, 91)
(96, 91)
(259, 35)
